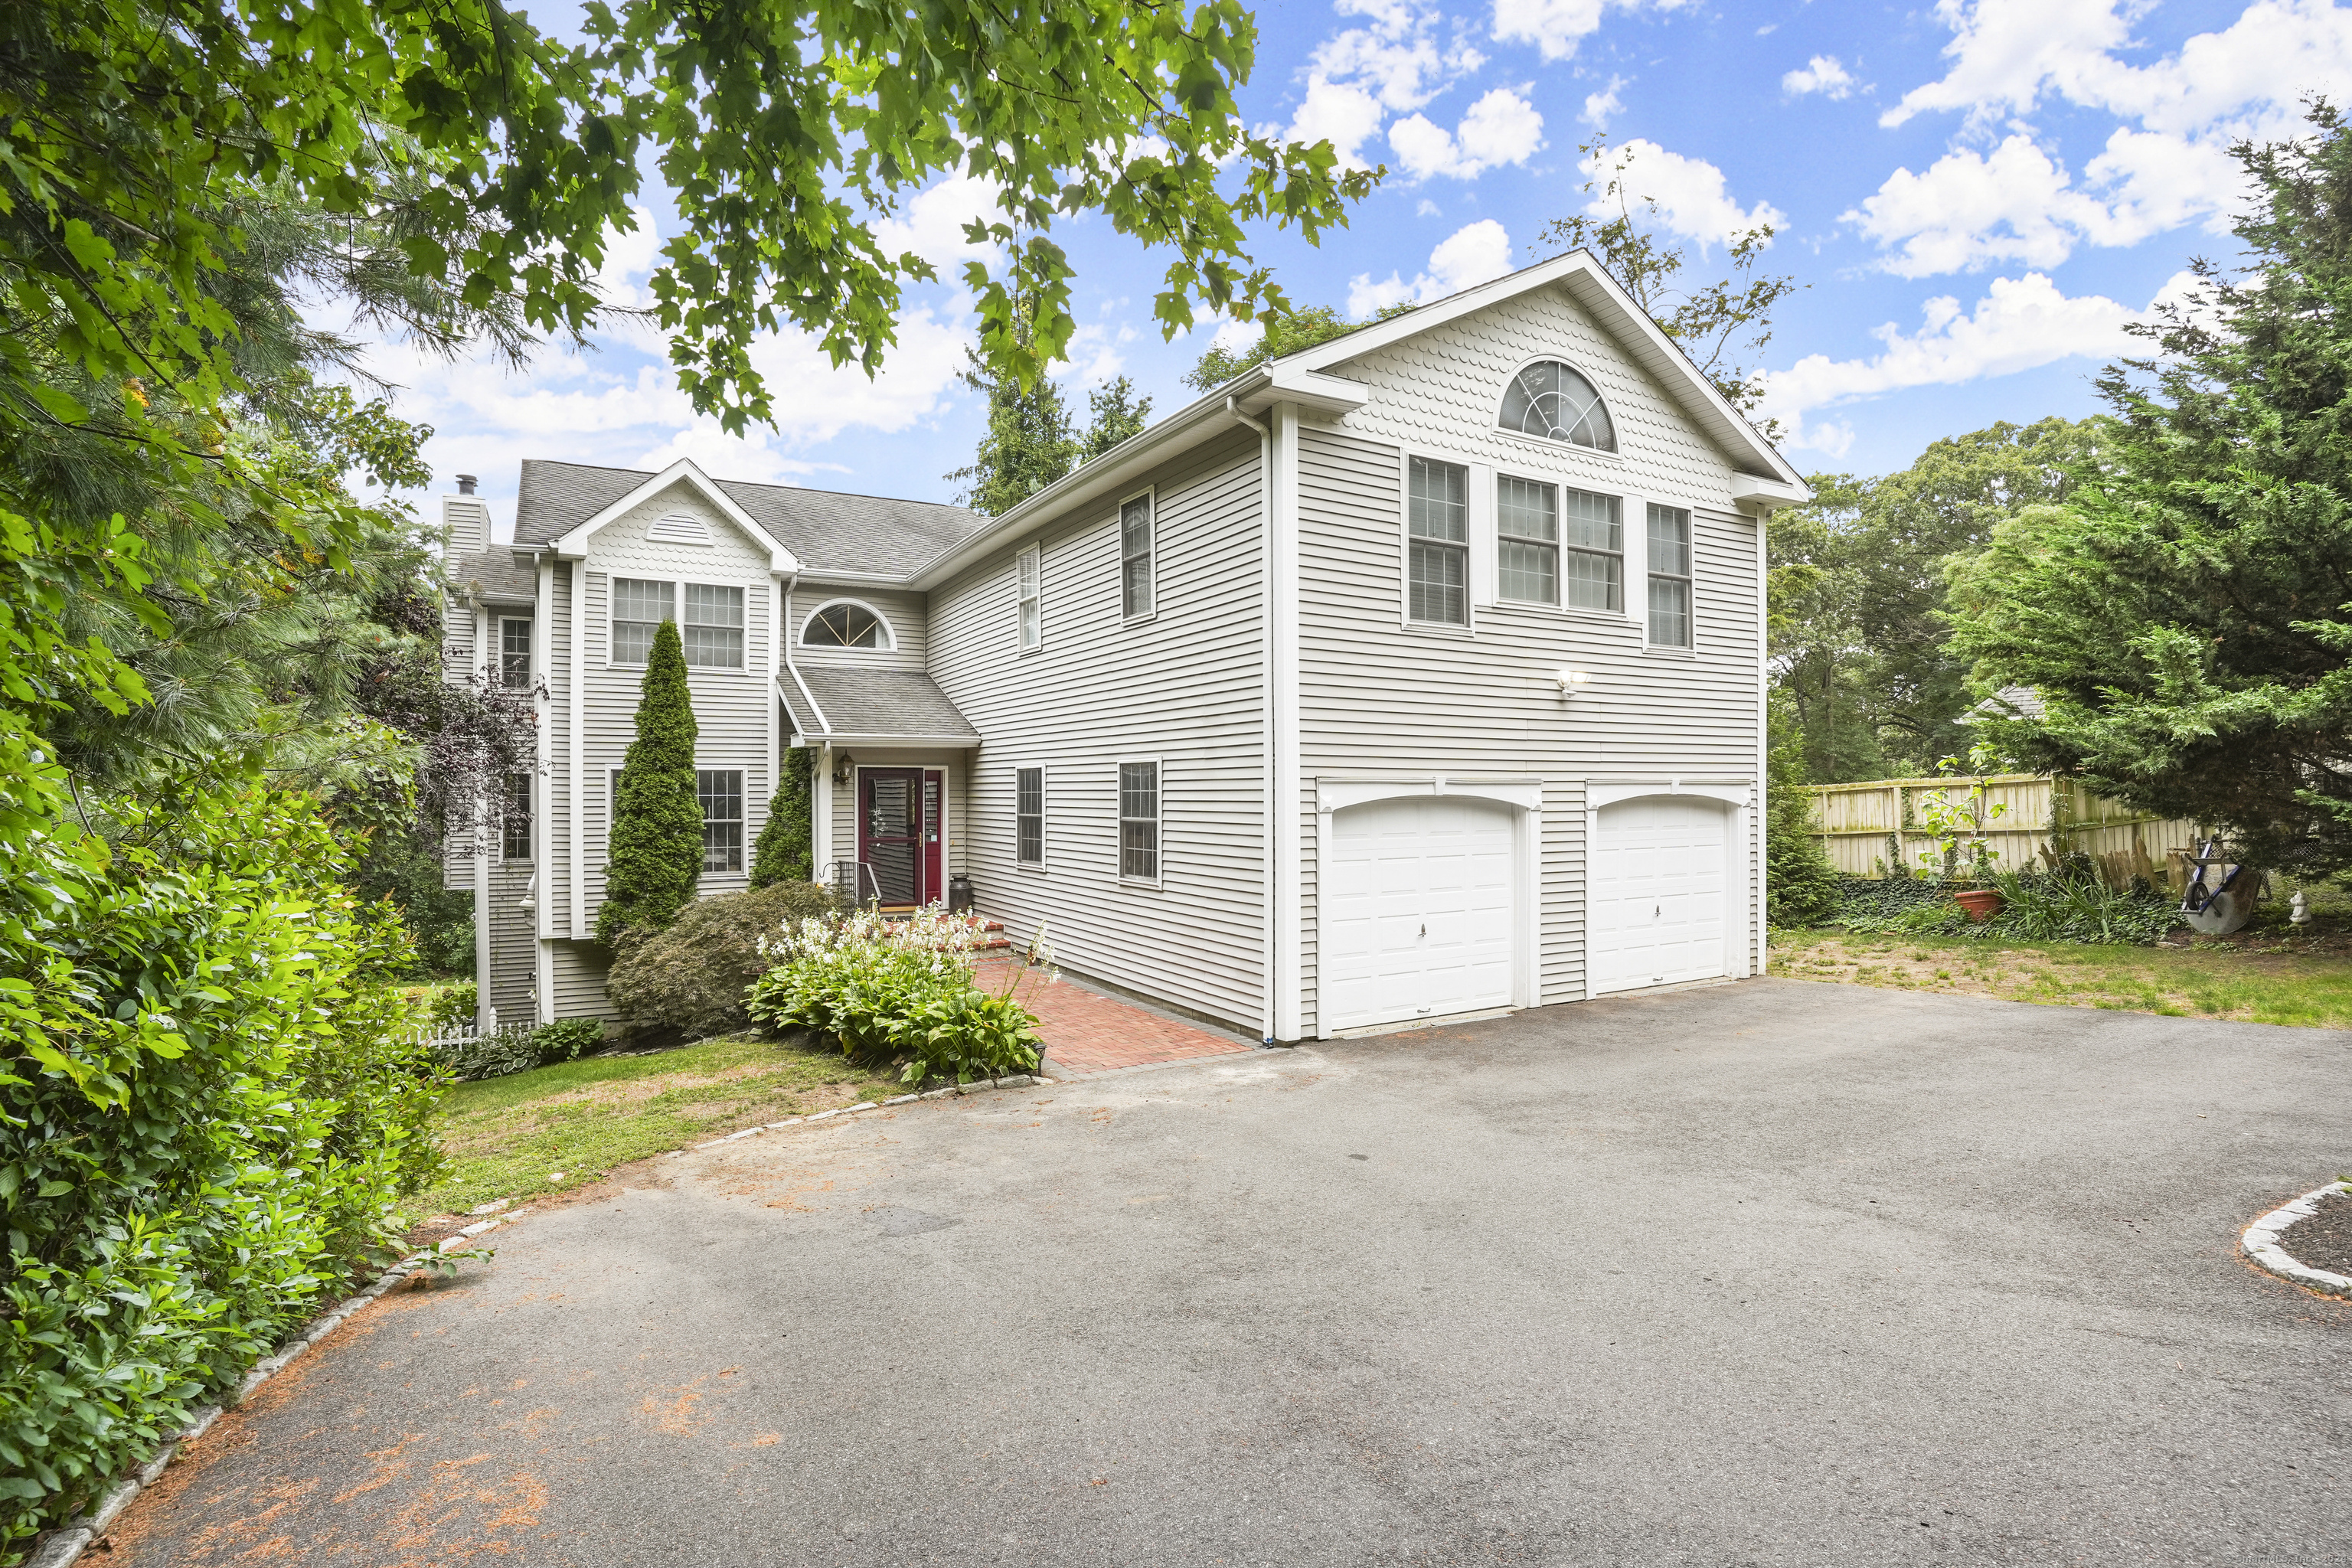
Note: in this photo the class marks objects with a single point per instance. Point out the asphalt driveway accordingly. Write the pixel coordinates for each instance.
(1771, 1273)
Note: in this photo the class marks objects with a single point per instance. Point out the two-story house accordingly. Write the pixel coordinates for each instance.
(1418, 675)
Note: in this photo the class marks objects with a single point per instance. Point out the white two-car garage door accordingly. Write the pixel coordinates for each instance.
(1417, 919)
(1660, 899)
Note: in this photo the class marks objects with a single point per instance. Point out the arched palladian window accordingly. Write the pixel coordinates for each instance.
(1550, 400)
(847, 624)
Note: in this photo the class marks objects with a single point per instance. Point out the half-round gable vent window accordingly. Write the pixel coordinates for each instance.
(845, 626)
(678, 529)
(1550, 400)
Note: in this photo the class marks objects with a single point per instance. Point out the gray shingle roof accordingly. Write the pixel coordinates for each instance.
(822, 527)
(858, 702)
(2009, 702)
(492, 573)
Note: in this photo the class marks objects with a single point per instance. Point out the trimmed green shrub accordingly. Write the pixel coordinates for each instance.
(783, 853)
(655, 856)
(212, 1096)
(455, 1003)
(692, 977)
(1801, 885)
(898, 989)
(564, 1039)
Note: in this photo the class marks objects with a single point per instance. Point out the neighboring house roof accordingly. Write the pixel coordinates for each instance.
(824, 528)
(853, 703)
(2009, 702)
(492, 575)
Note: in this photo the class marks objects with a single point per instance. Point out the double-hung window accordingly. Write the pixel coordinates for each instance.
(1437, 548)
(1138, 821)
(638, 610)
(1029, 571)
(1593, 565)
(1670, 577)
(721, 793)
(1526, 540)
(514, 652)
(1029, 815)
(1135, 557)
(514, 835)
(713, 629)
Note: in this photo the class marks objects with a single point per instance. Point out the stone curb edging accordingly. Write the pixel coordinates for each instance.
(2260, 1244)
(842, 1112)
(59, 1547)
(65, 1544)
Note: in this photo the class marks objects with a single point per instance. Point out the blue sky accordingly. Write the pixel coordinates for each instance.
(1977, 195)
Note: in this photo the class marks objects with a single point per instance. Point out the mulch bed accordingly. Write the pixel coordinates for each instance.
(2324, 1240)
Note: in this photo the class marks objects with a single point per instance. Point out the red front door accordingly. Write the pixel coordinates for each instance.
(899, 817)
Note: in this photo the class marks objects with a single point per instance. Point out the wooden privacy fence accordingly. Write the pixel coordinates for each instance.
(1877, 829)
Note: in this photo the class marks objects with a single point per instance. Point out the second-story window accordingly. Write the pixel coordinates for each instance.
(1030, 571)
(713, 630)
(1135, 557)
(1437, 523)
(638, 610)
(1526, 528)
(1595, 563)
(514, 652)
(721, 793)
(515, 818)
(1670, 577)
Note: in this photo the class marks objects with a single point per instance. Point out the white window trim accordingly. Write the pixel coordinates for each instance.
(1561, 356)
(1478, 581)
(1119, 819)
(530, 816)
(1045, 818)
(1629, 503)
(890, 632)
(499, 624)
(1150, 495)
(1666, 650)
(743, 823)
(613, 807)
(677, 587)
(1034, 554)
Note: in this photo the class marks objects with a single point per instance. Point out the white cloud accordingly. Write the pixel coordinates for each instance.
(1426, 208)
(1600, 107)
(931, 224)
(1501, 127)
(1969, 210)
(1694, 199)
(2005, 51)
(1822, 74)
(1360, 76)
(1557, 26)
(1470, 256)
(1338, 113)
(2021, 323)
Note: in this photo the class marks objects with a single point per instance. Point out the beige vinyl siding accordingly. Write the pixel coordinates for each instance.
(513, 948)
(580, 971)
(905, 612)
(1378, 697)
(731, 706)
(1185, 686)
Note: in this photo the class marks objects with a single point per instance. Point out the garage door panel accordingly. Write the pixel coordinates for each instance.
(1419, 919)
(1660, 902)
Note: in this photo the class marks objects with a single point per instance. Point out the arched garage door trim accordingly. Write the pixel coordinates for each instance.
(1739, 933)
(1524, 799)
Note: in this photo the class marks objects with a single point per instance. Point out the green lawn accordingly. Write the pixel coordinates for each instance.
(565, 1126)
(2216, 981)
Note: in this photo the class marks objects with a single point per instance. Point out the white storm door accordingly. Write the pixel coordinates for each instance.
(1660, 895)
(1417, 920)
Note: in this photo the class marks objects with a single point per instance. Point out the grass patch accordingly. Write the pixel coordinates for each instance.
(2249, 984)
(510, 1137)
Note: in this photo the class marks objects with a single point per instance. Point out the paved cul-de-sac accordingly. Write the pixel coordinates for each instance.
(1770, 1273)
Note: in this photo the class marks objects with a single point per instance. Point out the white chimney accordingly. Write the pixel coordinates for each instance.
(465, 521)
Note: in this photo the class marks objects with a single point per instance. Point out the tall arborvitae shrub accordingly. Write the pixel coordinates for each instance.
(783, 853)
(655, 856)
(1801, 885)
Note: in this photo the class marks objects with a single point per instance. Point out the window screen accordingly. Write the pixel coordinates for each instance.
(638, 610)
(1030, 570)
(1139, 820)
(1593, 566)
(1135, 557)
(722, 792)
(713, 631)
(1437, 551)
(1526, 528)
(514, 653)
(515, 819)
(1670, 577)
(1029, 815)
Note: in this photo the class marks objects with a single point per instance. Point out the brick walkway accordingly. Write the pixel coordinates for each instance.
(1087, 1032)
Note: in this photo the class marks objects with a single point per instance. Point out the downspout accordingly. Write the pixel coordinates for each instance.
(1269, 973)
(1763, 736)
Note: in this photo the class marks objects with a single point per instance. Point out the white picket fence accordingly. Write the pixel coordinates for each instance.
(443, 1037)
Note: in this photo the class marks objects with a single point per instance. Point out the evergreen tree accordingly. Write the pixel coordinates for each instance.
(1029, 443)
(1801, 885)
(655, 856)
(2186, 614)
(1116, 414)
(783, 853)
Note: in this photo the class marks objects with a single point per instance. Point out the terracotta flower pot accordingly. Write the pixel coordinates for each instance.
(1982, 903)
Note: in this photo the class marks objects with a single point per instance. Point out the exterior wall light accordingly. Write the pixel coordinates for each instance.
(1570, 679)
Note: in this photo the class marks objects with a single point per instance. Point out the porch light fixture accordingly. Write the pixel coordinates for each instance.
(841, 766)
(1570, 678)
